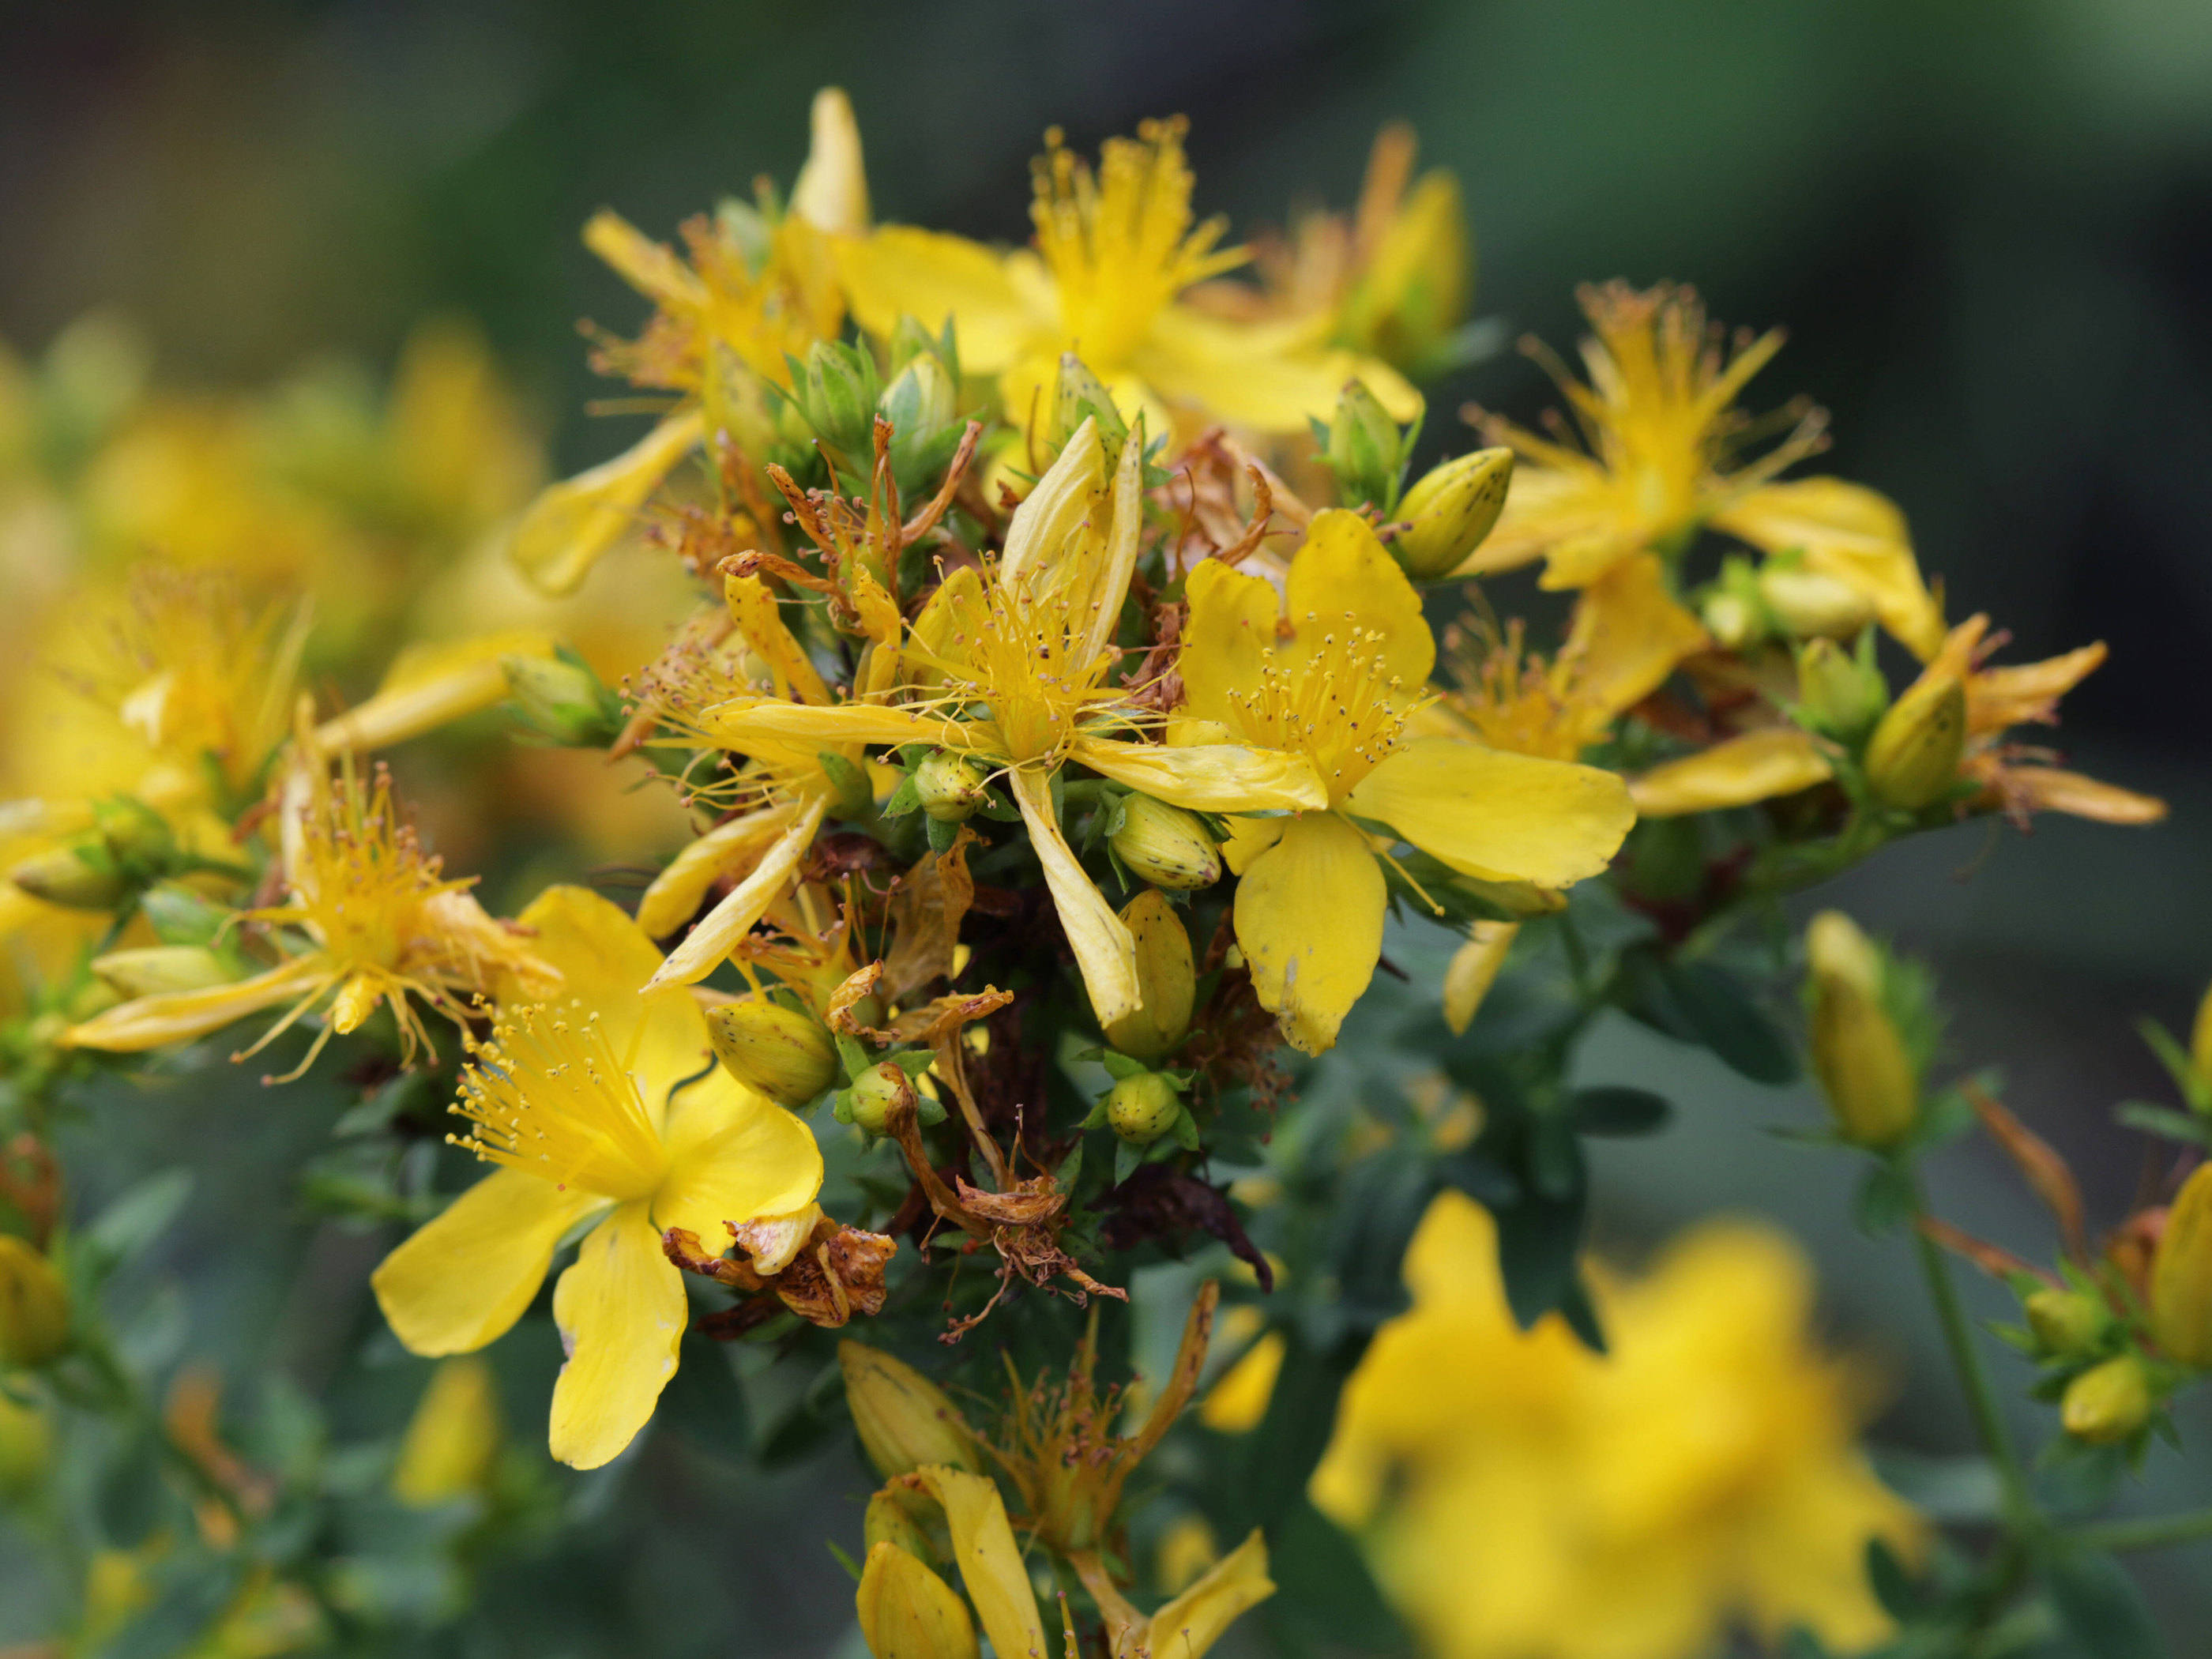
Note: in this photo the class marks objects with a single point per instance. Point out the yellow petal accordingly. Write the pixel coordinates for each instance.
(1264, 377)
(1104, 949)
(1248, 838)
(1343, 577)
(462, 1277)
(1309, 920)
(907, 1611)
(1755, 767)
(1210, 778)
(754, 610)
(621, 1310)
(2053, 789)
(990, 1561)
(955, 599)
(1854, 534)
(566, 529)
(707, 945)
(1236, 1403)
(453, 1436)
(1050, 521)
(1567, 511)
(1191, 1624)
(733, 1155)
(1232, 622)
(832, 190)
(1473, 971)
(731, 724)
(724, 850)
(170, 1016)
(1496, 816)
(1628, 633)
(650, 267)
(430, 685)
(899, 271)
(1108, 586)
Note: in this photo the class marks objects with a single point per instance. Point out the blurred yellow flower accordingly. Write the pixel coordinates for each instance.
(1525, 1498)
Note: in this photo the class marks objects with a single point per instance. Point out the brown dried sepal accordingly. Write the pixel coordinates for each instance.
(857, 985)
(838, 1273)
(926, 909)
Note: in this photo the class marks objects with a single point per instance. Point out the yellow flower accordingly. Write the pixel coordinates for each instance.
(452, 1438)
(758, 284)
(381, 925)
(1114, 252)
(1554, 1503)
(579, 1104)
(1023, 653)
(1331, 671)
(1665, 458)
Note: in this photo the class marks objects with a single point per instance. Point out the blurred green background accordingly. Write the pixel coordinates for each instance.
(1990, 230)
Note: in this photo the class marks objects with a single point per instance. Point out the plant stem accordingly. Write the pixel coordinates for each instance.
(2150, 1533)
(2020, 1511)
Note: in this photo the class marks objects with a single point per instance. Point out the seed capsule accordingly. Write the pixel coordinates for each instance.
(1451, 512)
(952, 787)
(1913, 757)
(1167, 979)
(1165, 845)
(2107, 1402)
(1141, 1108)
(1857, 1053)
(2181, 1275)
(785, 1055)
(35, 1312)
(875, 1092)
(903, 1420)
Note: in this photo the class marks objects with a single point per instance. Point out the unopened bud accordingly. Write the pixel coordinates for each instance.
(921, 405)
(837, 394)
(907, 1611)
(1078, 396)
(785, 1055)
(1843, 693)
(899, 1515)
(1365, 449)
(157, 968)
(80, 878)
(2107, 1402)
(1857, 1053)
(1912, 759)
(904, 1421)
(34, 1307)
(138, 839)
(952, 787)
(562, 700)
(1732, 620)
(1143, 1107)
(874, 1093)
(1810, 603)
(26, 1446)
(1449, 512)
(1167, 979)
(2181, 1275)
(453, 1438)
(1165, 845)
(2065, 1322)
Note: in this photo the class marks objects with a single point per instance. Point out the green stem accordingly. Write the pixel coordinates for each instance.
(1990, 1427)
(2150, 1533)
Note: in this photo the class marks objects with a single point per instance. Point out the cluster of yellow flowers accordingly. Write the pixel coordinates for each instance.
(1072, 568)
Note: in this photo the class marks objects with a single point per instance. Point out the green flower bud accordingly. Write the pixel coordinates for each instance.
(26, 1447)
(1810, 603)
(1858, 1055)
(952, 787)
(1165, 845)
(154, 968)
(138, 838)
(1077, 395)
(875, 1092)
(1365, 449)
(181, 917)
(785, 1055)
(1167, 979)
(1912, 759)
(1449, 512)
(921, 405)
(1733, 621)
(837, 392)
(904, 1421)
(2107, 1402)
(2181, 1275)
(1141, 1108)
(562, 699)
(80, 878)
(1843, 693)
(34, 1307)
(2066, 1322)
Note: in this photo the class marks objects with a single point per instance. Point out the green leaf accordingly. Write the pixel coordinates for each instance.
(1126, 1158)
(1617, 1109)
(133, 1221)
(2101, 1608)
(1892, 1587)
(903, 799)
(1555, 1157)
(1719, 1008)
(1324, 1589)
(1538, 1242)
(940, 835)
(2165, 1122)
(1884, 1200)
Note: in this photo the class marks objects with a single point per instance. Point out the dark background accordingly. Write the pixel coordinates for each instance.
(1989, 230)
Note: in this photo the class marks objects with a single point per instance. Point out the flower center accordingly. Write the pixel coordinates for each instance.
(1339, 707)
(548, 1096)
(1015, 658)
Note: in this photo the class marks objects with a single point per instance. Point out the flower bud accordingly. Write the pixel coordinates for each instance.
(1165, 845)
(157, 968)
(2107, 1402)
(907, 1611)
(80, 877)
(922, 406)
(952, 787)
(1077, 395)
(874, 1093)
(899, 1515)
(786, 1055)
(1142, 1107)
(1732, 621)
(2181, 1275)
(26, 1445)
(1167, 979)
(837, 394)
(1912, 758)
(1365, 449)
(903, 1420)
(2065, 1322)
(1448, 513)
(1857, 1053)
(34, 1307)
(1810, 603)
(138, 839)
(453, 1438)
(562, 700)
(1843, 693)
